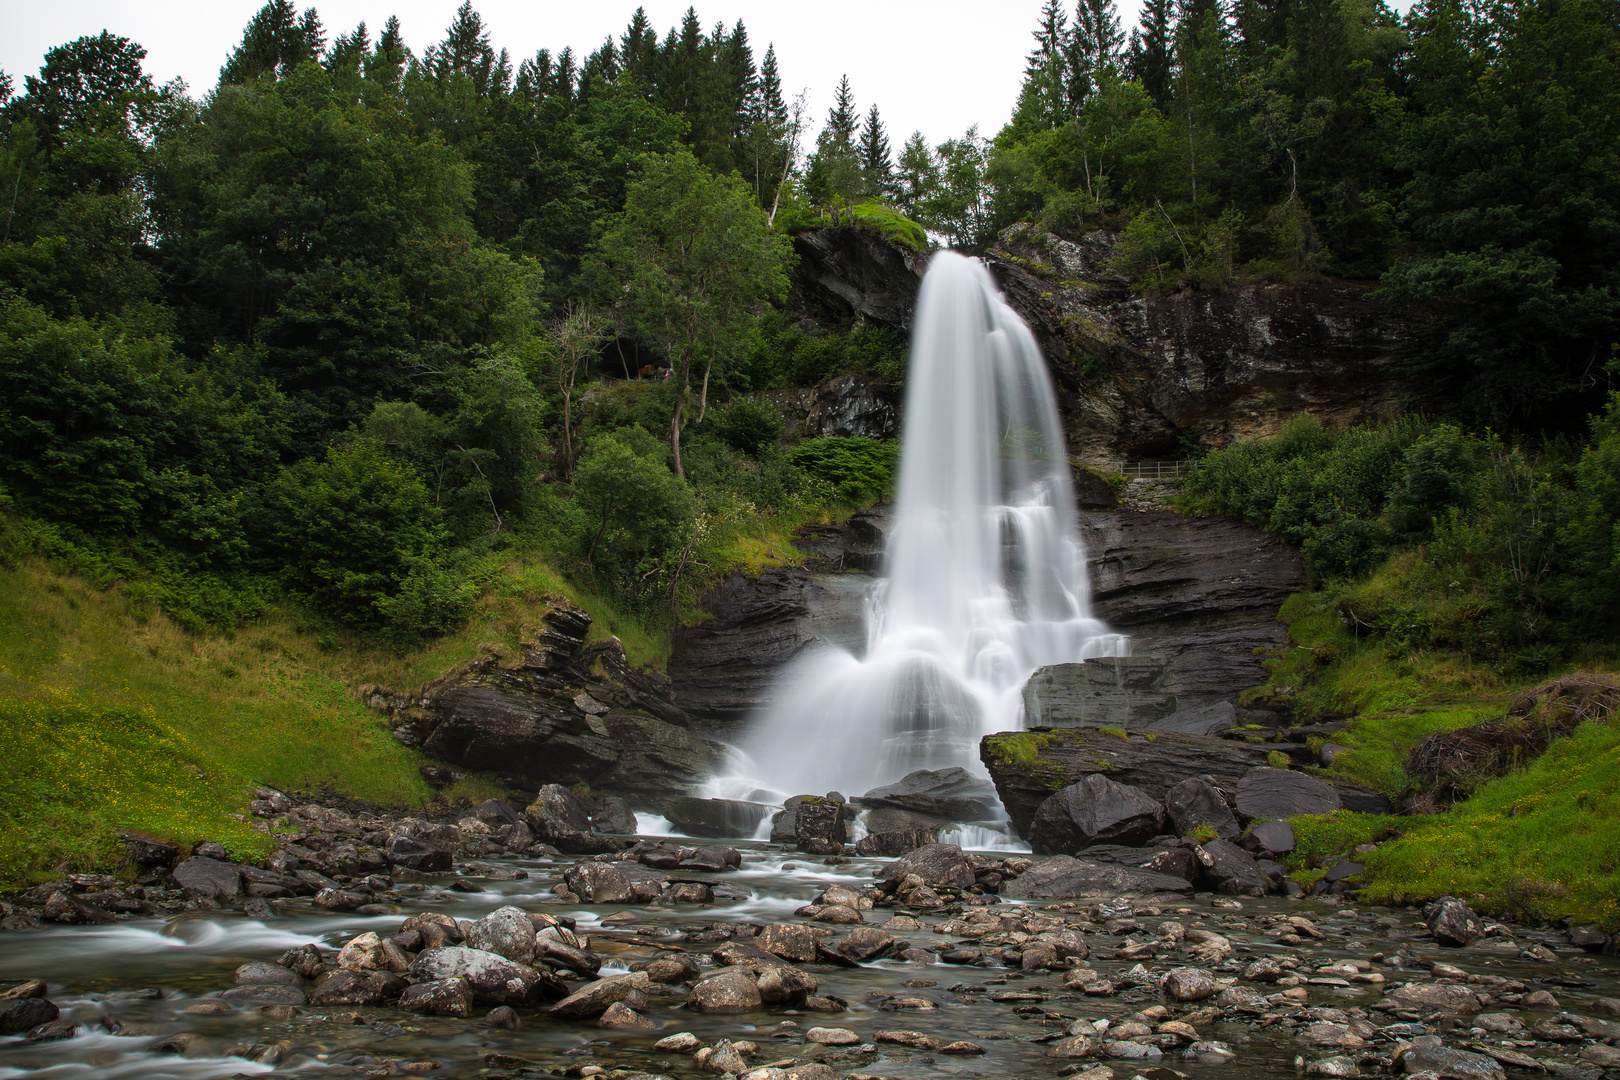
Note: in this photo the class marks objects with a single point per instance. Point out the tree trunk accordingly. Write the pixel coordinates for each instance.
(703, 398)
(590, 553)
(675, 432)
(568, 435)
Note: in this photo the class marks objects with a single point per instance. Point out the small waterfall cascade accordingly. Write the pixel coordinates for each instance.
(985, 574)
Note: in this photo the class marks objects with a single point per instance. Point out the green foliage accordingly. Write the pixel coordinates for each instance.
(636, 511)
(859, 470)
(749, 426)
(891, 224)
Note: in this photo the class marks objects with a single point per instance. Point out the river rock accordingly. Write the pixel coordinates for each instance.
(776, 982)
(824, 1036)
(439, 997)
(148, 852)
(710, 858)
(260, 973)
(593, 999)
(62, 908)
(1064, 878)
(818, 826)
(1436, 997)
(506, 931)
(344, 987)
(1273, 837)
(1264, 793)
(210, 879)
(935, 864)
(560, 954)
(19, 1015)
(1453, 922)
(620, 1017)
(1094, 811)
(897, 842)
(730, 990)
(722, 818)
(865, 943)
(951, 794)
(562, 819)
(613, 815)
(1197, 801)
(1190, 984)
(599, 883)
(416, 855)
(1027, 766)
(494, 979)
(1231, 869)
(1428, 1054)
(790, 941)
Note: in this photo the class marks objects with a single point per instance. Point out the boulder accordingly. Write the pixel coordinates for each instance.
(368, 952)
(506, 931)
(951, 794)
(935, 864)
(897, 842)
(790, 941)
(593, 999)
(620, 1017)
(261, 973)
(612, 815)
(494, 979)
(730, 990)
(1190, 984)
(1361, 800)
(563, 955)
(599, 883)
(1197, 801)
(1453, 922)
(1428, 1054)
(711, 858)
(557, 816)
(777, 982)
(1275, 837)
(1063, 878)
(1232, 870)
(719, 818)
(19, 1015)
(1094, 811)
(439, 997)
(1436, 997)
(210, 879)
(413, 854)
(1027, 766)
(1265, 793)
(818, 826)
(866, 943)
(497, 812)
(345, 987)
(148, 852)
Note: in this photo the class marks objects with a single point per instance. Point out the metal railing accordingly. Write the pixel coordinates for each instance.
(1159, 470)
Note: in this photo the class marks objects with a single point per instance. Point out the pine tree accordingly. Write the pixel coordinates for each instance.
(772, 108)
(349, 51)
(917, 178)
(1041, 98)
(876, 169)
(1150, 62)
(465, 53)
(534, 76)
(834, 170)
(638, 48)
(842, 119)
(562, 78)
(386, 64)
(1097, 39)
(275, 41)
(677, 72)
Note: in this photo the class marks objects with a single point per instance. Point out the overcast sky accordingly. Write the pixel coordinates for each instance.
(933, 65)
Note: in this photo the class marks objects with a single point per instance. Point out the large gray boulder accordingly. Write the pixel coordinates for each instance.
(562, 819)
(1197, 801)
(724, 819)
(1212, 719)
(818, 826)
(506, 931)
(209, 879)
(1265, 793)
(951, 794)
(1064, 878)
(1094, 811)
(493, 978)
(1453, 922)
(936, 864)
(1232, 870)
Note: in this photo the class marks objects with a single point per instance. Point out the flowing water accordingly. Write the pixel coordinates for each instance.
(129, 986)
(985, 576)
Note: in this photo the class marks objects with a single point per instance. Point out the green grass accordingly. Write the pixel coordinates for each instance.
(272, 702)
(892, 224)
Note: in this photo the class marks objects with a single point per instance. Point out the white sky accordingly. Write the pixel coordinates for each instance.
(933, 65)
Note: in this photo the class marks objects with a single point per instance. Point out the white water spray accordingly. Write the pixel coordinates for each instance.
(985, 573)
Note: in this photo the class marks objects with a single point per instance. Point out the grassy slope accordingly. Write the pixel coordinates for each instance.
(110, 720)
(1540, 843)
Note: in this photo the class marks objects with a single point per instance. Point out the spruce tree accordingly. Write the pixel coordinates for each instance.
(275, 41)
(386, 64)
(842, 118)
(918, 175)
(1041, 98)
(876, 169)
(772, 108)
(1150, 61)
(638, 48)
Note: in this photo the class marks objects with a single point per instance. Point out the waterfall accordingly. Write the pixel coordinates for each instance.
(984, 578)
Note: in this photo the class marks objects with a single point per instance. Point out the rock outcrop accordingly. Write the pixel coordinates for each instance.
(545, 717)
(854, 273)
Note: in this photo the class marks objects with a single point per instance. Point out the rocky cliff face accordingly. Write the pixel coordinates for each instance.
(1142, 376)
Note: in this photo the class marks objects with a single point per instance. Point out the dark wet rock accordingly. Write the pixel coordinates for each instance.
(1176, 862)
(1190, 984)
(557, 813)
(1266, 793)
(560, 954)
(730, 990)
(790, 941)
(1589, 938)
(613, 815)
(865, 943)
(935, 864)
(818, 826)
(19, 1015)
(1453, 922)
(209, 879)
(599, 883)
(777, 982)
(506, 931)
(1276, 837)
(1094, 811)
(260, 973)
(439, 997)
(415, 855)
(1029, 766)
(343, 987)
(1361, 800)
(896, 842)
(1211, 719)
(494, 979)
(62, 908)
(620, 1017)
(1232, 870)
(265, 995)
(148, 852)
(341, 900)
(1339, 871)
(1063, 878)
(784, 825)
(593, 999)
(1428, 1054)
(712, 858)
(723, 818)
(497, 812)
(951, 794)
(53, 1031)
(1197, 801)
(1436, 997)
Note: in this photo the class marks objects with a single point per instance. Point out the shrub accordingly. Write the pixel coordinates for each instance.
(859, 470)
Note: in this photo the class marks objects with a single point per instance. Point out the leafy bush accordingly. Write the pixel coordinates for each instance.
(858, 470)
(749, 426)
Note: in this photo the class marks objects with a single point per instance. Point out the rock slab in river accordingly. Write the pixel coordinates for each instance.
(1064, 878)
(1096, 810)
(952, 794)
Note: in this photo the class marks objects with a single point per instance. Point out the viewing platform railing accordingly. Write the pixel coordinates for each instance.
(1159, 470)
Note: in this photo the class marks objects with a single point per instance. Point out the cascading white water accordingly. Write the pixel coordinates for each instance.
(985, 575)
